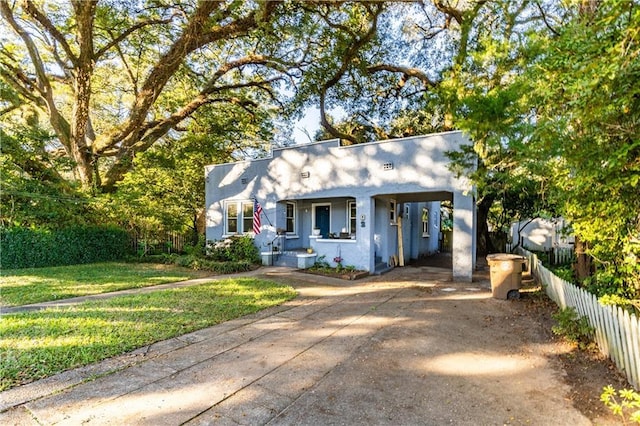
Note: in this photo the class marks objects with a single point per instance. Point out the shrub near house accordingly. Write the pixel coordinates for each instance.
(234, 254)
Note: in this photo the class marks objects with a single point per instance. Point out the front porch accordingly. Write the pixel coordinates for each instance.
(384, 233)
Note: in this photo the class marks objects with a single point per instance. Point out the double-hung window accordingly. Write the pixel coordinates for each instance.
(238, 217)
(425, 222)
(291, 218)
(351, 218)
(392, 212)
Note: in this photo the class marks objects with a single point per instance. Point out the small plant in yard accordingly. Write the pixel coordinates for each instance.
(573, 327)
(322, 267)
(203, 264)
(321, 264)
(624, 403)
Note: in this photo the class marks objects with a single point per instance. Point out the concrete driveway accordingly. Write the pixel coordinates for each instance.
(407, 348)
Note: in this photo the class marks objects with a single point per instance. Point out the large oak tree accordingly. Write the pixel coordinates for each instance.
(112, 78)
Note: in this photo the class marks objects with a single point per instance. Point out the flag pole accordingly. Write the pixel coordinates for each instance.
(263, 212)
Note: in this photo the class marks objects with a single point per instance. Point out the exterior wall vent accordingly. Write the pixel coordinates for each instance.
(387, 166)
(305, 175)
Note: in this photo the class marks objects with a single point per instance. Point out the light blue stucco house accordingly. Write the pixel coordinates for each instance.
(364, 205)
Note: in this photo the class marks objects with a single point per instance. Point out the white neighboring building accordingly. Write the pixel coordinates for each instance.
(541, 234)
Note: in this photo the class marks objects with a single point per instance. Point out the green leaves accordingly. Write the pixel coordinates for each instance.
(587, 101)
(624, 403)
(30, 248)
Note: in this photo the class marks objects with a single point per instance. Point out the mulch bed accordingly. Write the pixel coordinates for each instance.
(355, 275)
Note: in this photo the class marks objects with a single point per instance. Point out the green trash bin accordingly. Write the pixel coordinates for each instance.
(506, 275)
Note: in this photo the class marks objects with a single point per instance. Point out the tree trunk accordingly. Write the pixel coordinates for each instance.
(583, 260)
(195, 236)
(485, 246)
(85, 11)
(81, 152)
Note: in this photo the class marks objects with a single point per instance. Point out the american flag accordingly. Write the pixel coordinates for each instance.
(257, 212)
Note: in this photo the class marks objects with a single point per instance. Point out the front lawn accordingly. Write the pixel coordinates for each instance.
(34, 345)
(33, 285)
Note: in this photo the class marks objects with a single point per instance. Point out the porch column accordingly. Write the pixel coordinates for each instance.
(365, 211)
(463, 255)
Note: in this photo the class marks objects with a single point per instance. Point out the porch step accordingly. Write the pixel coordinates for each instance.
(285, 260)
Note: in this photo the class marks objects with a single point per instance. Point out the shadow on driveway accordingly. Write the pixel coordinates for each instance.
(409, 347)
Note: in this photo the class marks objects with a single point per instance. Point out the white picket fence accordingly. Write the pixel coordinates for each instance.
(563, 255)
(617, 332)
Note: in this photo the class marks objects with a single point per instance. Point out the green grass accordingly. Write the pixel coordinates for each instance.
(34, 345)
(33, 285)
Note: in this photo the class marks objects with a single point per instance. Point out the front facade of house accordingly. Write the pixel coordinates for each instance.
(360, 205)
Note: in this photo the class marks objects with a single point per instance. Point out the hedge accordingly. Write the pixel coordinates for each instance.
(33, 248)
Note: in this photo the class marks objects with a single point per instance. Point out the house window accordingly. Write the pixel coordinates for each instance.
(238, 217)
(291, 218)
(351, 216)
(247, 217)
(392, 211)
(232, 218)
(425, 222)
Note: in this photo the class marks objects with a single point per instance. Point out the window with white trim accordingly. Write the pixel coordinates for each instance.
(247, 217)
(392, 211)
(238, 217)
(231, 218)
(291, 218)
(425, 222)
(351, 216)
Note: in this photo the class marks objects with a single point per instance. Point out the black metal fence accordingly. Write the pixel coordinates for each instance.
(148, 243)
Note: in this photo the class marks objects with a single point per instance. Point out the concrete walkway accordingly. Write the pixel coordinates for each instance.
(410, 347)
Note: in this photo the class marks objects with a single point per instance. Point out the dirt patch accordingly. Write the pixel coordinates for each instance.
(587, 371)
(333, 273)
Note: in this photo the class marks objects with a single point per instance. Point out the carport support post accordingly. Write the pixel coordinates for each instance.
(365, 212)
(463, 255)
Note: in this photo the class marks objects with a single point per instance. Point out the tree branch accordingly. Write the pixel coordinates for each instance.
(36, 14)
(16, 78)
(544, 19)
(59, 124)
(346, 60)
(128, 32)
(406, 71)
(152, 131)
(192, 38)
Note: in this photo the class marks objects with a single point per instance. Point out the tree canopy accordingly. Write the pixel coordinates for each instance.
(111, 96)
(586, 103)
(112, 78)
